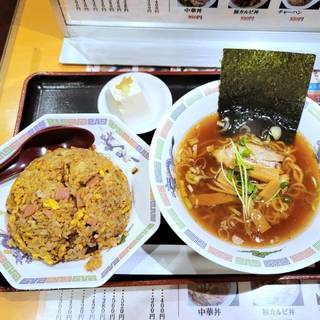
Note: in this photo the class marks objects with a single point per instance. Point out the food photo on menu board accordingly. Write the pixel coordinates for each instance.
(261, 4)
(300, 4)
(198, 3)
(277, 293)
(213, 294)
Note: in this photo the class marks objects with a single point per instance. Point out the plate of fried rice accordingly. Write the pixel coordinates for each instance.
(74, 216)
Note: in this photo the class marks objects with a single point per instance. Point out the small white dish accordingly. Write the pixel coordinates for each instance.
(155, 91)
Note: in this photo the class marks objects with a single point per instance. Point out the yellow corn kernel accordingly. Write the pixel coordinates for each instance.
(80, 246)
(51, 203)
(73, 222)
(102, 173)
(59, 177)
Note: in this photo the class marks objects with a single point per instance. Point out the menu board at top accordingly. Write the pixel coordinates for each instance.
(273, 15)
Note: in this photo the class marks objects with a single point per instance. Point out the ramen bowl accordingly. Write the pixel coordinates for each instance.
(296, 253)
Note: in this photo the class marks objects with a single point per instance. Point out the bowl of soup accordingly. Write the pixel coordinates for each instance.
(248, 204)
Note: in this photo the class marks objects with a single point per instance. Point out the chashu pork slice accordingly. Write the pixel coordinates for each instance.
(262, 156)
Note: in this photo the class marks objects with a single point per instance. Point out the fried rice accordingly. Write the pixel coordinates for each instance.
(68, 205)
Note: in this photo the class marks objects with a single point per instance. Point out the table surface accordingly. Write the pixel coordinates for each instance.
(33, 45)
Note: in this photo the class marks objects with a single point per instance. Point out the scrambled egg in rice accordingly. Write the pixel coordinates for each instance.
(68, 205)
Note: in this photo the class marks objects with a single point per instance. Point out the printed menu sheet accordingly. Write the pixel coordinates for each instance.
(285, 300)
(213, 14)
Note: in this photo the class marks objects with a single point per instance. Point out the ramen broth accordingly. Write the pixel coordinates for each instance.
(301, 209)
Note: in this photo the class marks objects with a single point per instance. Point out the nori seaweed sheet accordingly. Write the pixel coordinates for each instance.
(264, 88)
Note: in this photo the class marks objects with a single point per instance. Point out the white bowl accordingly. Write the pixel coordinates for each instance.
(156, 92)
(297, 253)
(126, 150)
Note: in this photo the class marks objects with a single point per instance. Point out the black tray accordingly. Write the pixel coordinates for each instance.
(77, 93)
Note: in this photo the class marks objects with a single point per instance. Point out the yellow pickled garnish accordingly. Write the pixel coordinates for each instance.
(51, 204)
(102, 173)
(6, 251)
(125, 85)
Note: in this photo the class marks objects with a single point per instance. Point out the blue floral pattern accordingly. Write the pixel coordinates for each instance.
(113, 145)
(171, 181)
(19, 256)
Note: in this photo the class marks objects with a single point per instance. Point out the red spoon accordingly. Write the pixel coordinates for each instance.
(39, 143)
